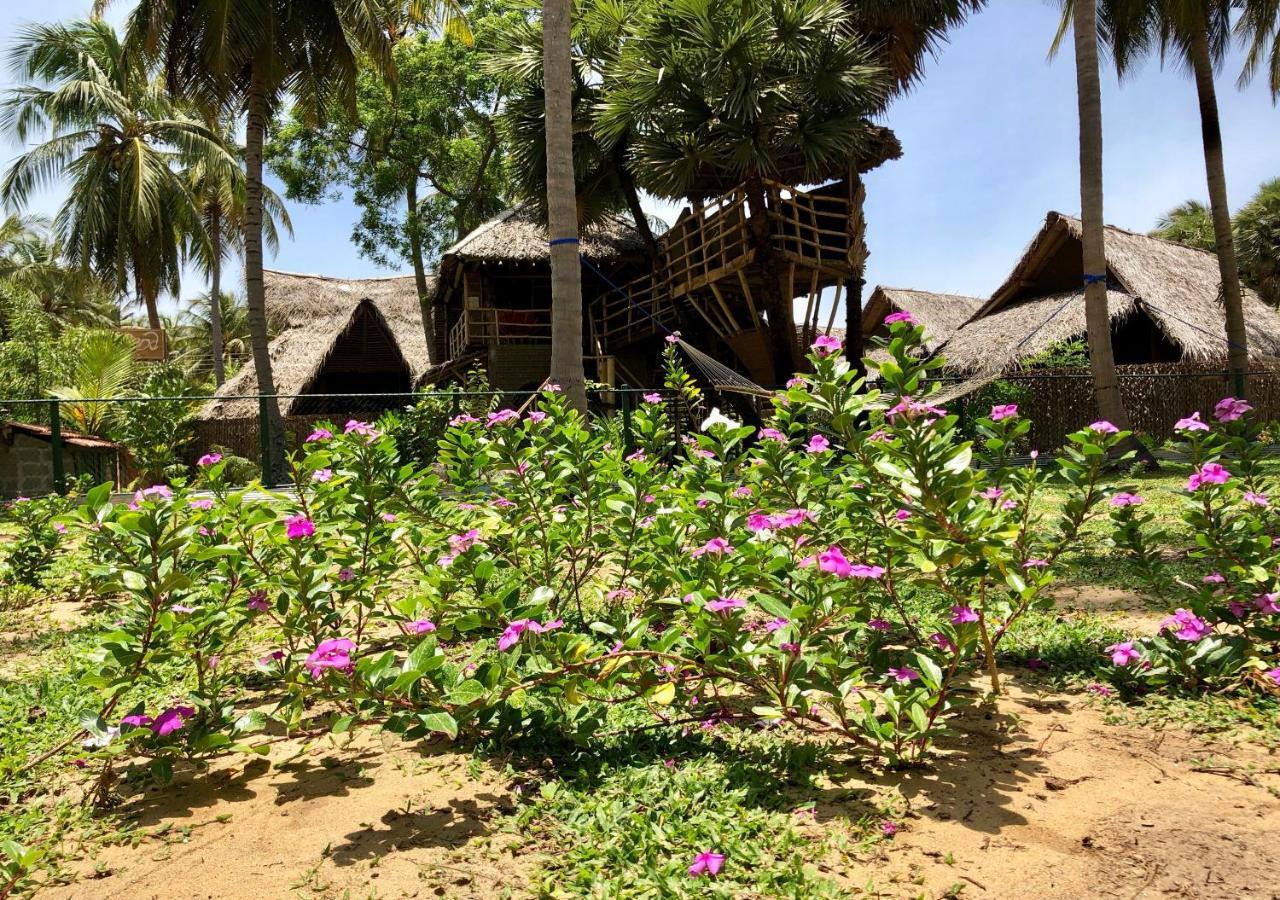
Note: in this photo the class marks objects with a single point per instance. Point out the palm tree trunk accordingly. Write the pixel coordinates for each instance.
(215, 295)
(854, 351)
(782, 320)
(562, 206)
(433, 321)
(147, 293)
(255, 134)
(1102, 363)
(1215, 172)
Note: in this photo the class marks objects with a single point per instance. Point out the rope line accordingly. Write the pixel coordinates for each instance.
(1227, 340)
(564, 240)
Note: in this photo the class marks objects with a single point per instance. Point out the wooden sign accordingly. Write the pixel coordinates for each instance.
(149, 344)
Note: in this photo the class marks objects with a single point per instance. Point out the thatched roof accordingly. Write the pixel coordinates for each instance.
(1176, 287)
(316, 310)
(520, 235)
(940, 314)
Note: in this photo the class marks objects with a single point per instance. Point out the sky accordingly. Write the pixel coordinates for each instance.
(989, 147)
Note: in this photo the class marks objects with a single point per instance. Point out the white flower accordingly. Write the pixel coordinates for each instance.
(98, 741)
(718, 418)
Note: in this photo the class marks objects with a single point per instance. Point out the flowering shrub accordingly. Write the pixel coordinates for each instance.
(839, 570)
(39, 536)
(1226, 629)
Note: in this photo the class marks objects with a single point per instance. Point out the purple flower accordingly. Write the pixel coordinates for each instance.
(1102, 426)
(462, 419)
(1209, 473)
(903, 316)
(716, 547)
(707, 862)
(817, 444)
(961, 615)
(903, 674)
(1191, 423)
(320, 434)
(209, 459)
(355, 426)
(1004, 411)
(422, 626)
(880, 625)
(826, 345)
(653, 398)
(789, 647)
(1123, 654)
(500, 417)
(334, 653)
(992, 493)
(1256, 499)
(201, 503)
(772, 434)
(299, 526)
(775, 625)
(1124, 498)
(942, 642)
(1229, 409)
(345, 574)
(258, 601)
(1186, 625)
(137, 720)
(724, 604)
(888, 828)
(322, 475)
(902, 515)
(172, 720)
(1267, 603)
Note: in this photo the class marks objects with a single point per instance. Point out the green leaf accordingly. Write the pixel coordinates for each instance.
(440, 722)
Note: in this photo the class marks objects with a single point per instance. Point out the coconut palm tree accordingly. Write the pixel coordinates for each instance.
(723, 92)
(1257, 226)
(1102, 363)
(1259, 28)
(1196, 34)
(1188, 223)
(31, 257)
(114, 134)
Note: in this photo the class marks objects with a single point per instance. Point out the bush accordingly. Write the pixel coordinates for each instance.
(39, 537)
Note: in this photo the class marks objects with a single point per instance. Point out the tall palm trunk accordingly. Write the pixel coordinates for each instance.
(433, 321)
(255, 134)
(1102, 363)
(215, 294)
(148, 293)
(857, 233)
(562, 206)
(782, 320)
(1215, 173)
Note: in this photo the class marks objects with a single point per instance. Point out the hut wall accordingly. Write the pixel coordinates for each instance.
(26, 465)
(513, 367)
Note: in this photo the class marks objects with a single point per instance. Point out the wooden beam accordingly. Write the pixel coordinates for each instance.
(751, 303)
(836, 302)
(724, 307)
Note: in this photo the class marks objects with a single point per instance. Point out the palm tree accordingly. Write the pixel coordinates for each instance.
(31, 257)
(724, 92)
(1257, 226)
(104, 369)
(1259, 27)
(220, 196)
(1188, 223)
(1102, 363)
(1197, 34)
(562, 206)
(115, 135)
(192, 335)
(248, 56)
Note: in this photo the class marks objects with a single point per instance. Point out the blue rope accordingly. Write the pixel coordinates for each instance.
(608, 281)
(1094, 279)
(566, 240)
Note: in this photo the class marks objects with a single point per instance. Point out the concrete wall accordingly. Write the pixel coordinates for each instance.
(26, 465)
(514, 367)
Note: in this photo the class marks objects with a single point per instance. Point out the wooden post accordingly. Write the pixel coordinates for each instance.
(55, 448)
(856, 228)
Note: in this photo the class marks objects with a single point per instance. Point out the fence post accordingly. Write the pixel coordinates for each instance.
(628, 439)
(264, 441)
(55, 447)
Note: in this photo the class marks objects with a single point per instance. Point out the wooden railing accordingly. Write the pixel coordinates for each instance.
(643, 308)
(487, 326)
(704, 248)
(809, 228)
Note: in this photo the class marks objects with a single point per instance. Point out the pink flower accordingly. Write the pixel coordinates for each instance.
(826, 345)
(460, 543)
(1101, 690)
(209, 459)
(137, 720)
(1186, 625)
(422, 626)
(1214, 578)
(258, 601)
(992, 493)
(888, 828)
(1229, 409)
(1209, 473)
(772, 434)
(619, 594)
(1267, 603)
(322, 475)
(1236, 608)
(1009, 504)
(797, 381)
(389, 518)
(716, 547)
(354, 426)
(707, 862)
(961, 615)
(653, 398)
(817, 444)
(879, 436)
(202, 503)
(1123, 654)
(299, 526)
(345, 574)
(334, 653)
(702, 503)
(320, 434)
(742, 491)
(775, 625)
(182, 608)
(62, 529)
(911, 410)
(637, 456)
(1102, 426)
(724, 604)
(903, 674)
(1256, 499)
(942, 642)
(789, 647)
(758, 521)
(1124, 498)
(903, 316)
(156, 491)
(511, 635)
(462, 419)
(1035, 564)
(1004, 411)
(672, 338)
(536, 416)
(500, 417)
(172, 720)
(880, 625)
(902, 515)
(1274, 674)
(833, 561)
(1191, 423)
(792, 518)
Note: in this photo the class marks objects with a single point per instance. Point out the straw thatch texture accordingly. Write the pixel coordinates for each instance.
(940, 314)
(1001, 341)
(315, 311)
(520, 235)
(1177, 287)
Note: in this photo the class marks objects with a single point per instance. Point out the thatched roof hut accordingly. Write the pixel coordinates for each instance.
(1163, 300)
(940, 314)
(339, 336)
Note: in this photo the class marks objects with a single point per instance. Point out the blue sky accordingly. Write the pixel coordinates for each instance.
(989, 144)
